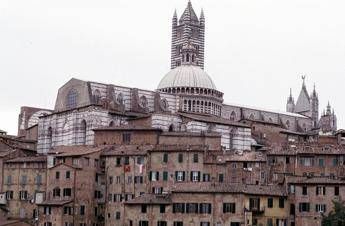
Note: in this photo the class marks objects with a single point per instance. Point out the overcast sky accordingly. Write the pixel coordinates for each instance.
(255, 50)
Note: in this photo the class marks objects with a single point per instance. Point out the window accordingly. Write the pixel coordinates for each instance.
(180, 176)
(165, 158)
(221, 177)
(165, 176)
(140, 160)
(178, 223)
(206, 177)
(320, 190)
(204, 223)
(157, 190)
(320, 208)
(68, 174)
(47, 224)
(192, 208)
(195, 158)
(118, 161)
(270, 203)
(154, 176)
(110, 180)
(57, 175)
(9, 179)
(126, 160)
(117, 215)
(335, 161)
(321, 162)
(178, 207)
(180, 157)
(9, 195)
(195, 176)
(67, 210)
(82, 210)
(23, 180)
(67, 192)
(287, 160)
(139, 179)
(254, 204)
(117, 198)
(205, 208)
(336, 190)
(235, 224)
(71, 101)
(304, 190)
(281, 202)
(38, 179)
(56, 192)
(23, 195)
(126, 138)
(144, 208)
(304, 207)
(162, 223)
(229, 207)
(307, 161)
(47, 210)
(162, 208)
(143, 223)
(83, 127)
(269, 222)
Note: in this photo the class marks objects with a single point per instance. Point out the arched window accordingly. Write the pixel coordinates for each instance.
(171, 128)
(83, 132)
(187, 57)
(96, 96)
(50, 137)
(232, 116)
(193, 58)
(111, 124)
(251, 117)
(72, 99)
(287, 124)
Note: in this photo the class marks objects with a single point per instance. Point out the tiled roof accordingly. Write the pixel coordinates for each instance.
(28, 159)
(272, 190)
(303, 149)
(179, 147)
(246, 156)
(213, 119)
(312, 180)
(152, 199)
(54, 202)
(127, 128)
(126, 150)
(61, 151)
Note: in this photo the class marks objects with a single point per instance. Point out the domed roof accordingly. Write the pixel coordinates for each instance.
(187, 76)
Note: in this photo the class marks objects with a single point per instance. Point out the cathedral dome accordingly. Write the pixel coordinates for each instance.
(187, 76)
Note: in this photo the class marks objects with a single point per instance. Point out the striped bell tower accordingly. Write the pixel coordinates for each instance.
(189, 30)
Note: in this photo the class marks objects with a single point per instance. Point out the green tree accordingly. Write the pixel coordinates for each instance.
(337, 216)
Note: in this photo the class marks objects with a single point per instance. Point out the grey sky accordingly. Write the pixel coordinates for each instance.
(255, 50)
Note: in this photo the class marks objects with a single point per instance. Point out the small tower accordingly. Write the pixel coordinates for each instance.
(328, 121)
(290, 105)
(188, 30)
(314, 102)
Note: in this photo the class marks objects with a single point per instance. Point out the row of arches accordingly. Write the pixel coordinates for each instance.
(201, 106)
(192, 90)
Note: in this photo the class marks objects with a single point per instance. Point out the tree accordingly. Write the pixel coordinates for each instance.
(337, 216)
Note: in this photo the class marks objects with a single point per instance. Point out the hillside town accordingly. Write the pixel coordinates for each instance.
(109, 155)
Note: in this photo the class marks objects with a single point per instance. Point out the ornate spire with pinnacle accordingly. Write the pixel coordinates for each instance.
(188, 30)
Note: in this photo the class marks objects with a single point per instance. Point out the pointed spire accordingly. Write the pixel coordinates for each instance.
(303, 78)
(202, 16)
(175, 14)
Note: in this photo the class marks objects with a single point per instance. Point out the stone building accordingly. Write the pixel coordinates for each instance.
(75, 193)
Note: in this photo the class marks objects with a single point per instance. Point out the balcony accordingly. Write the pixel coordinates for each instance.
(257, 210)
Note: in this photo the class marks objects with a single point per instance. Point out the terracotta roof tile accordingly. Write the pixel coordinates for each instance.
(152, 199)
